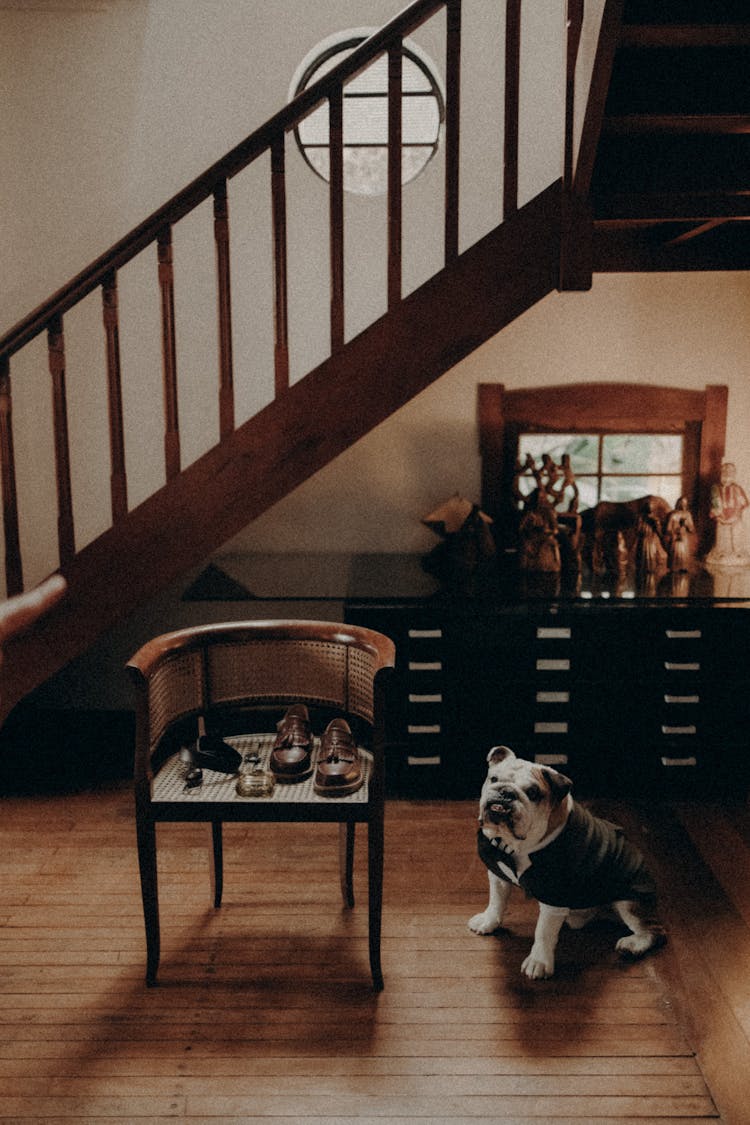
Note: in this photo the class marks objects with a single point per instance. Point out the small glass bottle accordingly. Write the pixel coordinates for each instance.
(254, 781)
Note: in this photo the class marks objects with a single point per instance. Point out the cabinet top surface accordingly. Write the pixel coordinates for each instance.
(398, 578)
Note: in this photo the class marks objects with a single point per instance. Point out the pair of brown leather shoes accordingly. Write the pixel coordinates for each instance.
(338, 769)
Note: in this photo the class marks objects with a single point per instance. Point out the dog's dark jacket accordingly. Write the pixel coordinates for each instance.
(590, 863)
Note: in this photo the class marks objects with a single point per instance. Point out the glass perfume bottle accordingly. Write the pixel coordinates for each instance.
(254, 780)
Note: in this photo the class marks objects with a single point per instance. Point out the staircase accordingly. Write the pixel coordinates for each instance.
(667, 169)
(533, 250)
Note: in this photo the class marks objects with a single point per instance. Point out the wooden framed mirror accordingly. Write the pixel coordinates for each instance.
(697, 416)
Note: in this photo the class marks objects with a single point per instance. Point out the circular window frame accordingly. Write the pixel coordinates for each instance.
(348, 41)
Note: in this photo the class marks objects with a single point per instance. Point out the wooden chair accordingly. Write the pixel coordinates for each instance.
(219, 678)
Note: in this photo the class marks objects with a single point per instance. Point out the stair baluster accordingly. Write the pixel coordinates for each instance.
(223, 276)
(56, 354)
(13, 567)
(118, 479)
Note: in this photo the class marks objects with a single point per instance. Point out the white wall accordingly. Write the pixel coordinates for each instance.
(683, 330)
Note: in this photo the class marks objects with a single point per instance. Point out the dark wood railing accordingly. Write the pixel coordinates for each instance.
(157, 230)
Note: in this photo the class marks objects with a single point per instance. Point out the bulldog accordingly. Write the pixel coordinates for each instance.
(534, 835)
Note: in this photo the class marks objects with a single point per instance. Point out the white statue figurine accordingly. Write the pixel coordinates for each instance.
(728, 502)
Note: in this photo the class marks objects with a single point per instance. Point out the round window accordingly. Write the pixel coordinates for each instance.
(365, 115)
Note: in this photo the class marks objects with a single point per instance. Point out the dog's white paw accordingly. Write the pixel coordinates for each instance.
(635, 945)
(485, 923)
(539, 965)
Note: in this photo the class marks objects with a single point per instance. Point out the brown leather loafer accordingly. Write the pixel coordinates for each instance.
(291, 751)
(339, 770)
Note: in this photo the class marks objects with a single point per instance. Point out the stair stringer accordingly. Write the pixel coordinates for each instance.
(175, 529)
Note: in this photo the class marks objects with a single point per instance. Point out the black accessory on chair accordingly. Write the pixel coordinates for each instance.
(212, 753)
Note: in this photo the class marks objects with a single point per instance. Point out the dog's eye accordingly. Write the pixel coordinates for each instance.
(534, 793)
(493, 779)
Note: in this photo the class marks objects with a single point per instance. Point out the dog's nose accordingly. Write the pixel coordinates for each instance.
(505, 795)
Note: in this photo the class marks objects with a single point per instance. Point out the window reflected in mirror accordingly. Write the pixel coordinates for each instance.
(609, 466)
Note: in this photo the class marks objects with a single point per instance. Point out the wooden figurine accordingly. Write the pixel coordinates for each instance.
(650, 556)
(549, 538)
(678, 529)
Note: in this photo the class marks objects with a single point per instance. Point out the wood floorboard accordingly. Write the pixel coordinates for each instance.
(265, 1013)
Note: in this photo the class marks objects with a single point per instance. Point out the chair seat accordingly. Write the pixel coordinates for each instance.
(168, 786)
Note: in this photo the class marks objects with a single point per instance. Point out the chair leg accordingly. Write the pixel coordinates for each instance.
(375, 839)
(346, 861)
(217, 862)
(146, 832)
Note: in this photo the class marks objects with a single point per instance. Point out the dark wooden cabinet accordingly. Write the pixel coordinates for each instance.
(636, 696)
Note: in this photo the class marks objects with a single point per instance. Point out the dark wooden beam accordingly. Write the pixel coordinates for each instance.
(671, 206)
(685, 35)
(634, 249)
(600, 79)
(717, 124)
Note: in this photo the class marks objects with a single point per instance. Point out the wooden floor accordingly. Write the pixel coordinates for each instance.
(265, 1011)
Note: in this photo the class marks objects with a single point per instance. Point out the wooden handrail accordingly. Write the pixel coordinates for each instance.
(204, 185)
(156, 231)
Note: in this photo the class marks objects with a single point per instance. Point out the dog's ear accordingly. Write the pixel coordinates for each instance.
(499, 754)
(559, 784)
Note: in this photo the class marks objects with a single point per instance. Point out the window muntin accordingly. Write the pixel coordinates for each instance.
(365, 118)
(610, 466)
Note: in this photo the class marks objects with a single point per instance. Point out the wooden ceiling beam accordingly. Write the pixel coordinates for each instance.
(639, 250)
(637, 207)
(685, 35)
(696, 232)
(715, 124)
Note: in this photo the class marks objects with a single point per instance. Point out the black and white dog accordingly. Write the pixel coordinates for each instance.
(533, 834)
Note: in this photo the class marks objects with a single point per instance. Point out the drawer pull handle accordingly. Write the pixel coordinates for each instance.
(412, 760)
(679, 762)
(553, 697)
(691, 666)
(425, 634)
(425, 698)
(425, 666)
(550, 728)
(682, 699)
(684, 634)
(679, 730)
(419, 728)
(553, 665)
(551, 759)
(553, 633)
